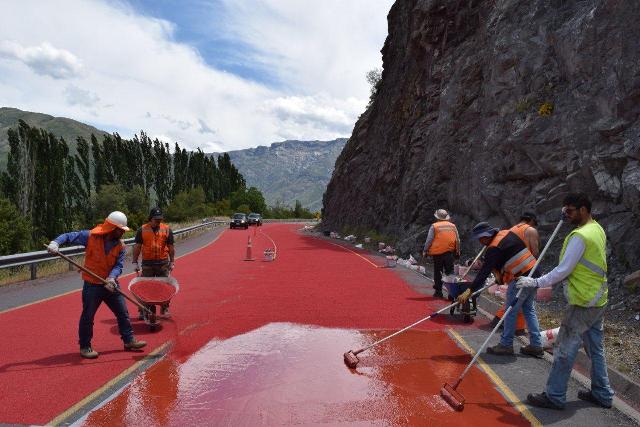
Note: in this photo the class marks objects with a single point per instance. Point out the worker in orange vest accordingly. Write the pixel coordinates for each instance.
(105, 257)
(527, 232)
(443, 242)
(508, 257)
(155, 240)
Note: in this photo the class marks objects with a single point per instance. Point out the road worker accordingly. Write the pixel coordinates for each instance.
(527, 232)
(583, 263)
(508, 258)
(443, 242)
(104, 256)
(155, 240)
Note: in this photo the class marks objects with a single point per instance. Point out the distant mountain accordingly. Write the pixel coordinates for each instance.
(59, 126)
(290, 170)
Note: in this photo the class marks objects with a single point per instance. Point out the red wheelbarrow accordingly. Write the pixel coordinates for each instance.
(153, 293)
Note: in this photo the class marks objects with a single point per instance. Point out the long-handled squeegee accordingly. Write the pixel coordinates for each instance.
(449, 392)
(102, 279)
(351, 356)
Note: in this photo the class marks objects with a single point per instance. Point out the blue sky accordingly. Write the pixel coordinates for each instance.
(220, 75)
(201, 24)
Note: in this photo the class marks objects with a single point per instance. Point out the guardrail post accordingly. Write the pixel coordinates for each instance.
(34, 271)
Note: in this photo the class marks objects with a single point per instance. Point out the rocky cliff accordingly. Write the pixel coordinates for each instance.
(487, 108)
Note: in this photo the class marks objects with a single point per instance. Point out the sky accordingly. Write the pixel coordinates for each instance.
(216, 74)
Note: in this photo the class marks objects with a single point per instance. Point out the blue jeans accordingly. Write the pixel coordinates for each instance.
(92, 297)
(580, 325)
(526, 302)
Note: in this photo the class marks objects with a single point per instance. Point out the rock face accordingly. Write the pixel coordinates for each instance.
(488, 108)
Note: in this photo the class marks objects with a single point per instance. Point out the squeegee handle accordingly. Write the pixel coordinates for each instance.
(508, 310)
(102, 280)
(484, 248)
(431, 316)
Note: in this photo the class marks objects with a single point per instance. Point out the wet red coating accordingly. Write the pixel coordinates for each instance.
(153, 291)
(312, 282)
(290, 374)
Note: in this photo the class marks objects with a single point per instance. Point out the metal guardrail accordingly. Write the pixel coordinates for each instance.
(34, 258)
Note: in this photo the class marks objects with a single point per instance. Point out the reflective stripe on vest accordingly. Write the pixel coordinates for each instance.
(97, 261)
(154, 243)
(445, 238)
(519, 263)
(587, 284)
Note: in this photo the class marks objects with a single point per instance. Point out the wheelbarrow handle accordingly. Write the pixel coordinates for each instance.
(102, 279)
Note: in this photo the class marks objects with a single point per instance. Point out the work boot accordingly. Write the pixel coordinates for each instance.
(438, 294)
(88, 353)
(500, 350)
(521, 332)
(134, 345)
(542, 401)
(587, 396)
(531, 350)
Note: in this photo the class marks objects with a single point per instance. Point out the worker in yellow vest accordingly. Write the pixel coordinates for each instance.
(443, 242)
(583, 263)
(526, 231)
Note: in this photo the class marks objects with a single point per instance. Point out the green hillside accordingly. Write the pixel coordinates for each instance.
(59, 126)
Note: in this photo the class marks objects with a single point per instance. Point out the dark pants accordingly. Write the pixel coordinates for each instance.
(92, 297)
(441, 262)
(155, 270)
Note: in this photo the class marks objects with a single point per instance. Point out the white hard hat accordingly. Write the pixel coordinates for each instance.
(118, 219)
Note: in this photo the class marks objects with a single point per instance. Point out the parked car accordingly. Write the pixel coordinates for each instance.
(239, 220)
(255, 219)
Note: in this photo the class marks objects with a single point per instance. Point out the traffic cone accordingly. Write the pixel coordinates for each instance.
(249, 256)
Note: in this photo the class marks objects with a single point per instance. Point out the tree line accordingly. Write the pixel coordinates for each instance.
(46, 190)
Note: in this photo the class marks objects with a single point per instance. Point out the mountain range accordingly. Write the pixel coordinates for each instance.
(284, 171)
(291, 170)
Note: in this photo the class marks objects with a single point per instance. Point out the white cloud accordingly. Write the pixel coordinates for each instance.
(119, 70)
(78, 96)
(45, 59)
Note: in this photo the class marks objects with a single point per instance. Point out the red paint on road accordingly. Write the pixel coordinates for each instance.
(311, 283)
(285, 374)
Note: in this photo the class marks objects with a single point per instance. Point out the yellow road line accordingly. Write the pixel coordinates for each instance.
(66, 414)
(355, 253)
(78, 290)
(510, 395)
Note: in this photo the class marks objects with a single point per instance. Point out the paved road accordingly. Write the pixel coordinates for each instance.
(230, 301)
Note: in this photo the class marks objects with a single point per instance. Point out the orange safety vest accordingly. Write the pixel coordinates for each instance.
(154, 243)
(519, 230)
(96, 260)
(519, 263)
(444, 238)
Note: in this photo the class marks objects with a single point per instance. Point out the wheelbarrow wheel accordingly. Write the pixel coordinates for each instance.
(467, 318)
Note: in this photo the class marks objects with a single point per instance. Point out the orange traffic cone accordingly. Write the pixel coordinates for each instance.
(249, 256)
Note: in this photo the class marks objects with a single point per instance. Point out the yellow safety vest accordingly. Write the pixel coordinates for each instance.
(587, 283)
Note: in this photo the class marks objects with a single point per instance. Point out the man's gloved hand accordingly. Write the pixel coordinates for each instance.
(136, 266)
(463, 297)
(111, 284)
(527, 282)
(171, 266)
(53, 247)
